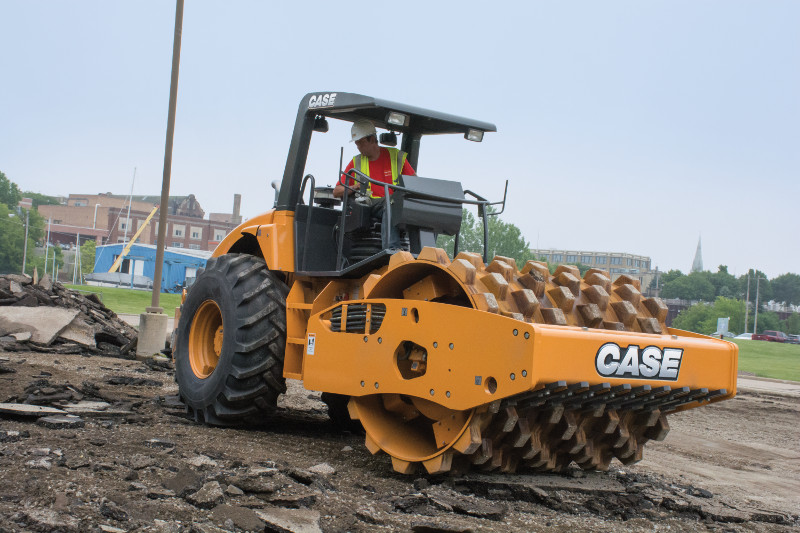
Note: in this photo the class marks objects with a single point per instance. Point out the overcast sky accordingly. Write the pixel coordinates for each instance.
(623, 126)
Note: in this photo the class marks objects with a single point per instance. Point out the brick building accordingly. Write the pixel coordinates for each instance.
(182, 231)
(105, 217)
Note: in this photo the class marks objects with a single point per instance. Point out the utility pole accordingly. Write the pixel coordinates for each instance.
(130, 200)
(755, 324)
(173, 103)
(25, 246)
(47, 244)
(747, 303)
(76, 258)
(153, 323)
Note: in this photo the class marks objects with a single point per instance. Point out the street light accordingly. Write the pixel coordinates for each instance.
(747, 303)
(25, 246)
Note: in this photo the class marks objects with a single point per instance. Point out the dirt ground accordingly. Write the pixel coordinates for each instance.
(133, 461)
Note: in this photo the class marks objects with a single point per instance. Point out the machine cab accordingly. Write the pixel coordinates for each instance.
(342, 237)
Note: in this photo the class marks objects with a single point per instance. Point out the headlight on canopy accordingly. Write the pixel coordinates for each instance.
(474, 135)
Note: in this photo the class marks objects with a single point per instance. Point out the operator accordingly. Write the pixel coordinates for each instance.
(379, 163)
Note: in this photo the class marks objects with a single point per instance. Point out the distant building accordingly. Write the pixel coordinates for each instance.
(636, 266)
(182, 231)
(109, 219)
(138, 267)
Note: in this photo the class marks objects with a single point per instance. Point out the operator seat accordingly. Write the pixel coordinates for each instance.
(420, 215)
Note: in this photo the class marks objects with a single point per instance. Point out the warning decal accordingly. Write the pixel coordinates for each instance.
(312, 337)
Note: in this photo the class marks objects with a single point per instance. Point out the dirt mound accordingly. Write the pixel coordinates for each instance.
(44, 316)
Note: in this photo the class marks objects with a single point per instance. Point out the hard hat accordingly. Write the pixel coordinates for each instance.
(362, 128)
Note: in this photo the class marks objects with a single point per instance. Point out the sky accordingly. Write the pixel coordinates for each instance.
(622, 126)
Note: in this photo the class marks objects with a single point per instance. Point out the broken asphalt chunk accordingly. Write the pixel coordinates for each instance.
(159, 443)
(209, 496)
(242, 517)
(27, 410)
(13, 436)
(61, 422)
(298, 520)
(451, 500)
(136, 382)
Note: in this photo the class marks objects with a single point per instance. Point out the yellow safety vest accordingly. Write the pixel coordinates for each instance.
(398, 159)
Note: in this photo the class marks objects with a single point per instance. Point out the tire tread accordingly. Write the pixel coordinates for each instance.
(255, 375)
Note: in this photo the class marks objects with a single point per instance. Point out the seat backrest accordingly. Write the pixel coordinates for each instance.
(436, 216)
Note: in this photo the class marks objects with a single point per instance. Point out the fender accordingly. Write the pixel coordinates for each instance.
(274, 232)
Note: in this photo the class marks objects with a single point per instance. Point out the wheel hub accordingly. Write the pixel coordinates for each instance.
(416, 430)
(205, 339)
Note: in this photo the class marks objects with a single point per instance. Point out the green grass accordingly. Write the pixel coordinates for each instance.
(770, 359)
(131, 301)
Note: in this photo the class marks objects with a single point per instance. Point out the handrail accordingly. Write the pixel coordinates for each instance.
(479, 201)
(308, 216)
(363, 178)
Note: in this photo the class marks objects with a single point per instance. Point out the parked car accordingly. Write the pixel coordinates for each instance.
(794, 339)
(722, 335)
(744, 336)
(772, 336)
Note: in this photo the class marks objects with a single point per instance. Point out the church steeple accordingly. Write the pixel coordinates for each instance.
(697, 264)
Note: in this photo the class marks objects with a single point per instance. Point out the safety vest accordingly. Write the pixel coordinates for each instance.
(398, 159)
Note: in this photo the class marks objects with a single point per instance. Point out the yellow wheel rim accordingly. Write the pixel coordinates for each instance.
(205, 339)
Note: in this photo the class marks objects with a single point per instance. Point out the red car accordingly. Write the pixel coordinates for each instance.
(772, 336)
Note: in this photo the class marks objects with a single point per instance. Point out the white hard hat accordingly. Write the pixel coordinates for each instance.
(362, 128)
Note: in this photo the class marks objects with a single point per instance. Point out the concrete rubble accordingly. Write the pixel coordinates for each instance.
(44, 316)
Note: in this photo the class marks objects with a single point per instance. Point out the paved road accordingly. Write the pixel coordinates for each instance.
(788, 388)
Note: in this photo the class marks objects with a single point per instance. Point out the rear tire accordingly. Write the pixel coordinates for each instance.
(232, 374)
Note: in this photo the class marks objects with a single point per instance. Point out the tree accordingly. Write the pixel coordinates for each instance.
(786, 289)
(697, 318)
(12, 237)
(702, 317)
(664, 278)
(12, 233)
(792, 324)
(12, 229)
(671, 276)
(764, 288)
(9, 192)
(695, 286)
(40, 199)
(505, 239)
(725, 284)
(37, 227)
(87, 256)
(730, 308)
(768, 320)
